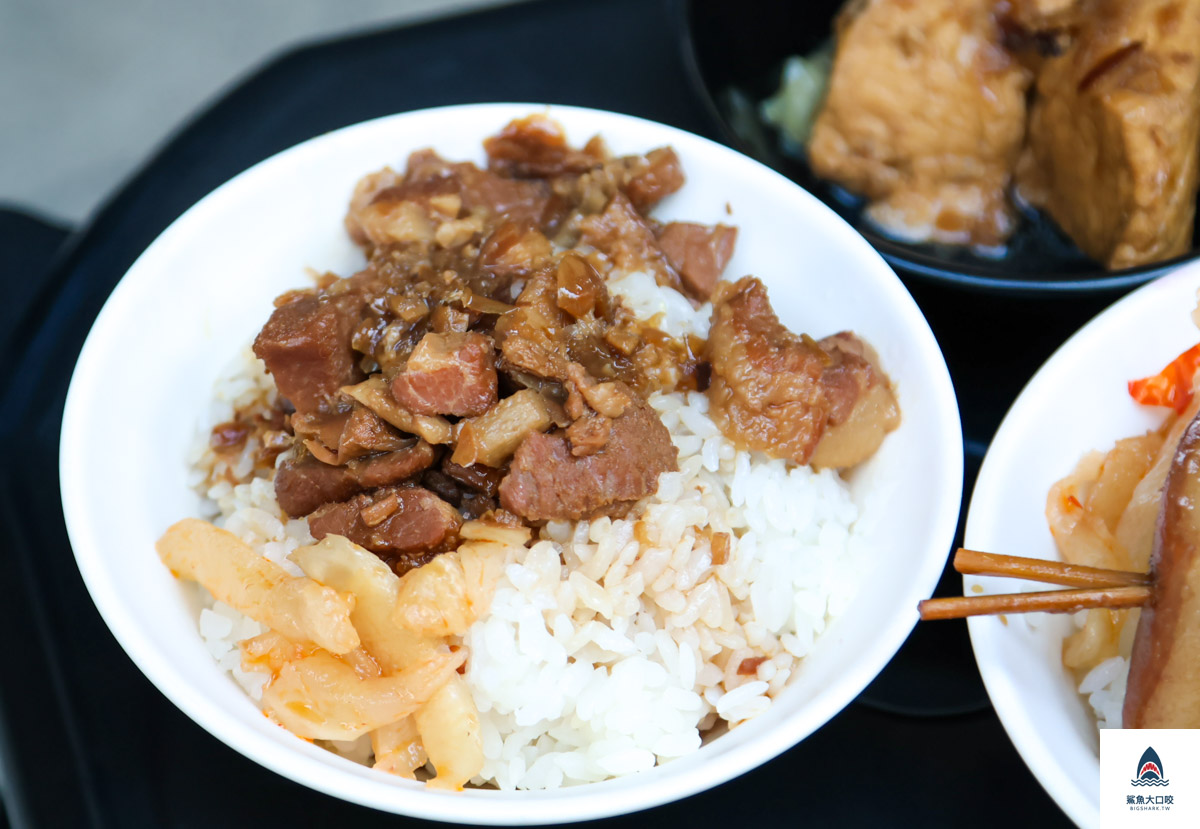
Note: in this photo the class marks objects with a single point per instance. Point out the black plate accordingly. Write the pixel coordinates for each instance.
(743, 45)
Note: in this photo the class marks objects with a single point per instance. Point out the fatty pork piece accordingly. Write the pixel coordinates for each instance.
(534, 178)
(303, 484)
(546, 481)
(448, 374)
(305, 345)
(536, 147)
(628, 241)
(406, 524)
(924, 117)
(826, 403)
(1113, 132)
(560, 316)
(434, 196)
(699, 253)
(338, 438)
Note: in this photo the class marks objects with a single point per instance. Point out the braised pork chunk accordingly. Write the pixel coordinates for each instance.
(547, 480)
(780, 393)
(403, 524)
(479, 364)
(478, 317)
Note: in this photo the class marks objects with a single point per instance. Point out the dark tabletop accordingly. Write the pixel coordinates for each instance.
(87, 741)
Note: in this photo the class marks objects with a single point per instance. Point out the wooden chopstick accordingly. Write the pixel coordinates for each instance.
(1048, 601)
(973, 562)
(1098, 587)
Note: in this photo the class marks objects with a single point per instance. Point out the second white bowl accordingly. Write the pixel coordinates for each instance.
(1077, 402)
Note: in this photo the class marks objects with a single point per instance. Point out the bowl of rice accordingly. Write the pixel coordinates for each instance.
(1057, 680)
(607, 671)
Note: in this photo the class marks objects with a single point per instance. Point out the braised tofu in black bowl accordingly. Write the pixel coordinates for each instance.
(1014, 146)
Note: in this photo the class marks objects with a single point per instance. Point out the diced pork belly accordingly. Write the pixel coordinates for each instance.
(306, 347)
(862, 406)
(365, 191)
(699, 253)
(523, 201)
(536, 147)
(621, 234)
(393, 521)
(546, 481)
(581, 291)
(444, 201)
(303, 485)
(781, 394)
(532, 336)
(449, 374)
(407, 211)
(341, 437)
(514, 250)
(654, 178)
(366, 433)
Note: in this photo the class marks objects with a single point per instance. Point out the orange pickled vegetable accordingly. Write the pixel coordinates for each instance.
(1170, 387)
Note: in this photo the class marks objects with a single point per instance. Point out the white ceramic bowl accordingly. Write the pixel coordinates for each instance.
(203, 289)
(1077, 402)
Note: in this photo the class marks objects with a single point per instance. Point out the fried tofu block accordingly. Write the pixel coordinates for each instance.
(1113, 132)
(925, 117)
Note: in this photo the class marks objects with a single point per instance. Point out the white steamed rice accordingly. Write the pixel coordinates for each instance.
(610, 645)
(1104, 689)
(1104, 685)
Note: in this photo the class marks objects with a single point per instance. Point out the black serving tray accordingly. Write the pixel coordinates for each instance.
(87, 741)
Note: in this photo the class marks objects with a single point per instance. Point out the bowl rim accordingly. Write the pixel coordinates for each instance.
(575, 803)
(902, 256)
(1079, 805)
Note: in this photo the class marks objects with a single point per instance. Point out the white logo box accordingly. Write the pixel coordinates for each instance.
(1168, 798)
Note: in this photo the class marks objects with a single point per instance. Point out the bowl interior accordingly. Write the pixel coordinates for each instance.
(203, 289)
(736, 52)
(1076, 403)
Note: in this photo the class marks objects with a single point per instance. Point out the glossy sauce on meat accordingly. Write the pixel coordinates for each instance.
(782, 394)
(479, 365)
(474, 322)
(548, 480)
